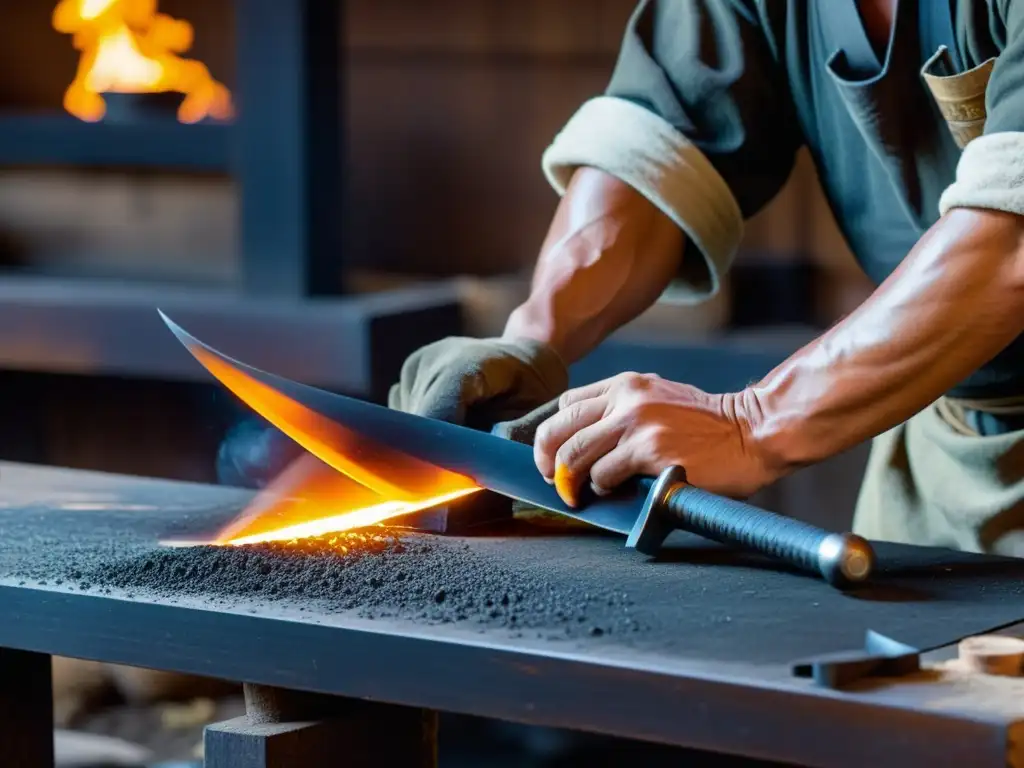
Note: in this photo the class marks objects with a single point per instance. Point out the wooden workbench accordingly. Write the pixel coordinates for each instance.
(659, 688)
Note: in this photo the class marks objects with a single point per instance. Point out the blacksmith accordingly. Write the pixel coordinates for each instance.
(913, 112)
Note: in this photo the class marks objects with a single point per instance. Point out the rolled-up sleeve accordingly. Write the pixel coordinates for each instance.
(990, 173)
(697, 118)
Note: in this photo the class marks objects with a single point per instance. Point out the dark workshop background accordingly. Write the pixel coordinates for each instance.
(446, 107)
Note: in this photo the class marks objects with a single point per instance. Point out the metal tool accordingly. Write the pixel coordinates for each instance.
(646, 511)
(881, 656)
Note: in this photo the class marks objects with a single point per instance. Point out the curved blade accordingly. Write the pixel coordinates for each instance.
(367, 441)
(367, 459)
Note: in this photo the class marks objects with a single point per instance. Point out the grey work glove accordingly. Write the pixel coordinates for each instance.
(478, 382)
(523, 430)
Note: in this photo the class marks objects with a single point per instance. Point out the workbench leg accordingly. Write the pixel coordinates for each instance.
(290, 729)
(26, 709)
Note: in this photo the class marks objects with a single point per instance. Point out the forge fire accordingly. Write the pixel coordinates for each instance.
(128, 47)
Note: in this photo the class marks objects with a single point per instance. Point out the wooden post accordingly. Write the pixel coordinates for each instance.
(26, 709)
(288, 160)
(291, 729)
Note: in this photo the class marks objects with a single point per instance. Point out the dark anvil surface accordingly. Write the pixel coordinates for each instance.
(100, 535)
(565, 630)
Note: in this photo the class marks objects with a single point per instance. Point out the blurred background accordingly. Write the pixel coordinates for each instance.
(374, 186)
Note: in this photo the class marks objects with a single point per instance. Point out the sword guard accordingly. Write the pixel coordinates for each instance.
(652, 526)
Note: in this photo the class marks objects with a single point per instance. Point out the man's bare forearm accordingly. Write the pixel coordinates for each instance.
(953, 304)
(607, 257)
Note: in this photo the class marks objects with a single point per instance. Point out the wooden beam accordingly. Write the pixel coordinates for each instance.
(707, 706)
(289, 139)
(62, 140)
(355, 344)
(26, 709)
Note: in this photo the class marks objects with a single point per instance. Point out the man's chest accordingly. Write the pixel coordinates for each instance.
(882, 148)
(878, 17)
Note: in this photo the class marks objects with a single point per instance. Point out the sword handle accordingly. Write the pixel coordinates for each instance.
(842, 559)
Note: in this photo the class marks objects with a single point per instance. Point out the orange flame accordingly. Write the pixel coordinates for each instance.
(127, 47)
(311, 499)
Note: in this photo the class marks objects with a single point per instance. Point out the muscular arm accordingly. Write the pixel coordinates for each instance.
(954, 303)
(608, 256)
(682, 156)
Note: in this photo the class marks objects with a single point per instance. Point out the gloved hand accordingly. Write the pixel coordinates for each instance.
(479, 382)
(475, 382)
(523, 430)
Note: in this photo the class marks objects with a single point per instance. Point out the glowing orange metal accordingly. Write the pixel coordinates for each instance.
(346, 521)
(326, 490)
(306, 490)
(332, 443)
(127, 47)
(310, 499)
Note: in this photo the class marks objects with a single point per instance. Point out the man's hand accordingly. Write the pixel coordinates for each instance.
(639, 424)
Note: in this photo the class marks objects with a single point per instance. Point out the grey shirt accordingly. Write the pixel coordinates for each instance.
(749, 82)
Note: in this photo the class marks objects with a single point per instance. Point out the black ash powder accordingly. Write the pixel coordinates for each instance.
(378, 572)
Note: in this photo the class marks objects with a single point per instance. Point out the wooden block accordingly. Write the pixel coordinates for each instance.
(463, 514)
(26, 709)
(240, 744)
(993, 655)
(527, 27)
(350, 734)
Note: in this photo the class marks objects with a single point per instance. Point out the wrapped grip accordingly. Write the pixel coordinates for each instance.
(841, 559)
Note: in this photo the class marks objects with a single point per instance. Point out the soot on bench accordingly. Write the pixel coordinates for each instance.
(378, 573)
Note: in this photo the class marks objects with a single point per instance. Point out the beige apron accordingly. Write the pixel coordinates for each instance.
(934, 481)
